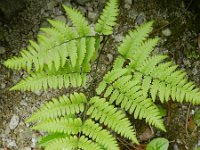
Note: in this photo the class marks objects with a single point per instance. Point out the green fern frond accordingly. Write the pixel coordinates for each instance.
(100, 135)
(90, 53)
(51, 138)
(128, 92)
(60, 107)
(51, 79)
(61, 27)
(162, 79)
(86, 144)
(113, 118)
(134, 40)
(65, 125)
(73, 142)
(118, 63)
(143, 52)
(108, 18)
(47, 46)
(62, 143)
(78, 21)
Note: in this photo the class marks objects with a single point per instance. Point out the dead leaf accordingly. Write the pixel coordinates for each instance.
(140, 147)
(191, 124)
(146, 135)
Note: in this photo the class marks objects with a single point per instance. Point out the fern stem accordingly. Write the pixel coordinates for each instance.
(74, 39)
(104, 41)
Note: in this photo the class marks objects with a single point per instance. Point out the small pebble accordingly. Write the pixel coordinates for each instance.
(3, 85)
(92, 16)
(194, 71)
(119, 37)
(26, 148)
(166, 32)
(82, 2)
(128, 4)
(2, 50)
(192, 112)
(176, 147)
(140, 19)
(109, 58)
(37, 92)
(12, 144)
(14, 122)
(51, 5)
(61, 18)
(187, 62)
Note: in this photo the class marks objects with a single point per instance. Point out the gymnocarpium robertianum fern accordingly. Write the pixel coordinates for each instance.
(62, 57)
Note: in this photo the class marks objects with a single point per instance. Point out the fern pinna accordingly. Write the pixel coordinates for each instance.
(61, 58)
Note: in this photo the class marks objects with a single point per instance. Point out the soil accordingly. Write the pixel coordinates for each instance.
(176, 23)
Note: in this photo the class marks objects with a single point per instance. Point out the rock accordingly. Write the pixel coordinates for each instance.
(14, 122)
(198, 143)
(187, 62)
(51, 5)
(128, 4)
(140, 19)
(82, 10)
(57, 11)
(119, 37)
(132, 14)
(26, 148)
(11, 7)
(7, 130)
(15, 78)
(2, 50)
(176, 147)
(198, 40)
(82, 2)
(109, 59)
(34, 141)
(25, 134)
(12, 144)
(61, 18)
(166, 32)
(3, 85)
(194, 71)
(92, 26)
(67, 3)
(92, 16)
(44, 24)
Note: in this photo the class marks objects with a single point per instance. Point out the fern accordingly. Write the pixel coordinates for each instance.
(62, 57)
(108, 18)
(60, 107)
(60, 118)
(67, 56)
(78, 20)
(113, 118)
(127, 91)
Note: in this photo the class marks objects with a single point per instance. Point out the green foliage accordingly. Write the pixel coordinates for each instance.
(158, 144)
(197, 117)
(60, 118)
(62, 58)
(108, 18)
(68, 52)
